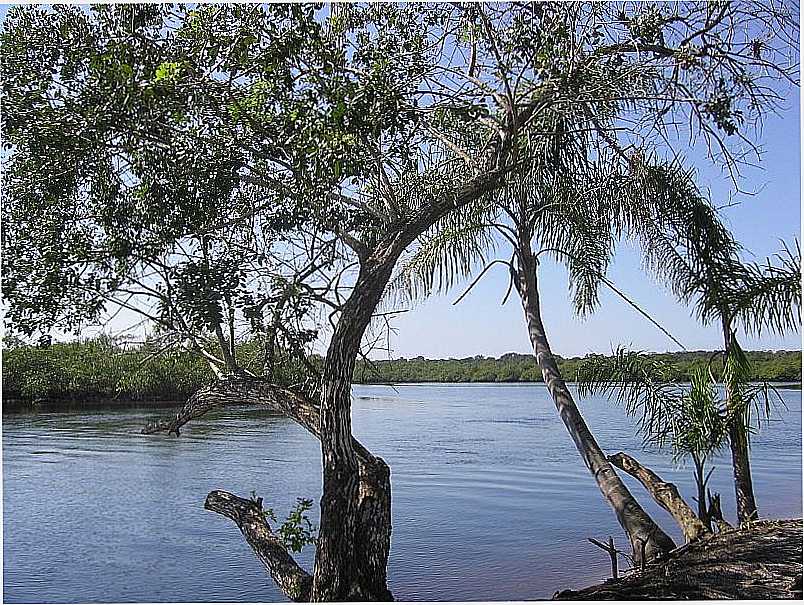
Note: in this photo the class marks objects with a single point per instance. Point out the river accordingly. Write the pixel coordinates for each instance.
(490, 498)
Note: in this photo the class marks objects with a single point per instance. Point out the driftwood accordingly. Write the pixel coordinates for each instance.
(762, 561)
(666, 495)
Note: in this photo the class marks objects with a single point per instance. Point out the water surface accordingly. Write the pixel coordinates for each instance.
(490, 498)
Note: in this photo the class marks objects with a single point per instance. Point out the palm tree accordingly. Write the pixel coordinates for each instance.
(572, 208)
(756, 297)
(693, 421)
(762, 298)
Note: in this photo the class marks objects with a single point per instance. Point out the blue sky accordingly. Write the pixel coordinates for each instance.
(480, 326)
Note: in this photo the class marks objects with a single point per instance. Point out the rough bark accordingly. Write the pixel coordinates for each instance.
(738, 442)
(643, 533)
(248, 516)
(665, 494)
(341, 563)
(374, 495)
(343, 568)
(337, 569)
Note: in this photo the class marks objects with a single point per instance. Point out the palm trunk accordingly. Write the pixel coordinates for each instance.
(700, 484)
(738, 442)
(644, 535)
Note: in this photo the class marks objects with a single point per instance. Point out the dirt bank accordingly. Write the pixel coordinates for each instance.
(763, 561)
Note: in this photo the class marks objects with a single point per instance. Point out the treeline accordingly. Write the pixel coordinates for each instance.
(771, 366)
(98, 369)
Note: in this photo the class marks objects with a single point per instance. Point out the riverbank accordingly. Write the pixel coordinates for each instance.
(762, 561)
(101, 371)
(99, 401)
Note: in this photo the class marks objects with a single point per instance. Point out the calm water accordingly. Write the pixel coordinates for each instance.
(491, 501)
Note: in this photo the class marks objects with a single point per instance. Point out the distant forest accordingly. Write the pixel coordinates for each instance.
(771, 366)
(98, 369)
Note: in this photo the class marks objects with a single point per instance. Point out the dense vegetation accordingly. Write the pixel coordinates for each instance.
(515, 367)
(98, 369)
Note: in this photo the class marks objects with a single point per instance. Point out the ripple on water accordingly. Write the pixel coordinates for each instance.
(491, 500)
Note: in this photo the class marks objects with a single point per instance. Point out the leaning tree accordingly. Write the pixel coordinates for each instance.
(638, 73)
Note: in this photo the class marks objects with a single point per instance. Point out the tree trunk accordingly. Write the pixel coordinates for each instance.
(700, 484)
(665, 494)
(738, 442)
(373, 535)
(348, 523)
(743, 485)
(639, 527)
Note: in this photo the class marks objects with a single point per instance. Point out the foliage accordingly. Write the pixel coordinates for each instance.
(768, 296)
(693, 420)
(702, 427)
(515, 367)
(185, 142)
(100, 369)
(296, 531)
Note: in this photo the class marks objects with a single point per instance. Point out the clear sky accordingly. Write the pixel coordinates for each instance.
(480, 326)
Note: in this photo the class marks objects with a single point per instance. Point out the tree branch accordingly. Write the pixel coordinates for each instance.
(665, 494)
(248, 516)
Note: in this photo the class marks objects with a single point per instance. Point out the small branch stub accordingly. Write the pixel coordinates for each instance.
(612, 551)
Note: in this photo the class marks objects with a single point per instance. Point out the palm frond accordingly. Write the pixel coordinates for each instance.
(768, 296)
(683, 240)
(689, 420)
(702, 427)
(446, 254)
(641, 384)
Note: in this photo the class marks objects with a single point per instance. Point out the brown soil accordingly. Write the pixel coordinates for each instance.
(760, 561)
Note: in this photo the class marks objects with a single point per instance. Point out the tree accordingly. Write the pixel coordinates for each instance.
(191, 149)
(560, 199)
(153, 157)
(184, 151)
(710, 275)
